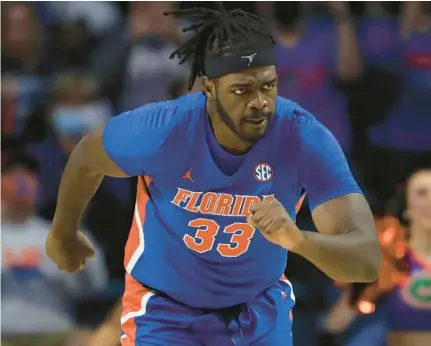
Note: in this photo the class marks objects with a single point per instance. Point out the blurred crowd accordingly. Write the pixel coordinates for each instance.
(362, 68)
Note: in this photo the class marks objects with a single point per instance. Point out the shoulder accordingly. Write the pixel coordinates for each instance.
(140, 140)
(163, 116)
(285, 112)
(295, 120)
(154, 122)
(303, 130)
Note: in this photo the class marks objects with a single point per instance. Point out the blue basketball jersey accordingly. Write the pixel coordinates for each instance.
(189, 238)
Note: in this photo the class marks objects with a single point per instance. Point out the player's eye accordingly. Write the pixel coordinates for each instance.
(269, 86)
(239, 91)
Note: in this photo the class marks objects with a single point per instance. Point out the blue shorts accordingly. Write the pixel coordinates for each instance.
(151, 318)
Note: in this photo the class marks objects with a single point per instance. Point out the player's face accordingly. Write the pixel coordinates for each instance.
(246, 101)
(419, 199)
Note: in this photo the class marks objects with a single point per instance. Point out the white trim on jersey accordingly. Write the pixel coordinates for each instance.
(141, 247)
(292, 295)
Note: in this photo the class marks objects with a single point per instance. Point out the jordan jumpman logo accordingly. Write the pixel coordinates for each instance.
(249, 57)
(188, 175)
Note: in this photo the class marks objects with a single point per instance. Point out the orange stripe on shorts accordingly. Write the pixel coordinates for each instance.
(135, 299)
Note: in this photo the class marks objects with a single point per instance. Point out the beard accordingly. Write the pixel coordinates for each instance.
(246, 136)
(225, 117)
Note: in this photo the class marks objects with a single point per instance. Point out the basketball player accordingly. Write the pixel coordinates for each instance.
(221, 174)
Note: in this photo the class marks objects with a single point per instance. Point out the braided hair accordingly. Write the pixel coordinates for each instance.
(217, 32)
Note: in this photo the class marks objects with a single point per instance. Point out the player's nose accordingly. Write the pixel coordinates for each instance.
(258, 103)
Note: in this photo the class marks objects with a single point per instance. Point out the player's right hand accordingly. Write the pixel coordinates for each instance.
(69, 252)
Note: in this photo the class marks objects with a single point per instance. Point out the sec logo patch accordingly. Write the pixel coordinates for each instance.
(263, 172)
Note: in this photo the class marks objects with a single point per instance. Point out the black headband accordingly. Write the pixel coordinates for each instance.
(251, 57)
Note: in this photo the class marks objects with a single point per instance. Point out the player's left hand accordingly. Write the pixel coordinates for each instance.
(275, 224)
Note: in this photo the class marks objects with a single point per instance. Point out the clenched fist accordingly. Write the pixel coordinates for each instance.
(275, 224)
(69, 252)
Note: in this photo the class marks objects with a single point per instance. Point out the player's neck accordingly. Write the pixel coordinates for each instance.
(224, 135)
(420, 241)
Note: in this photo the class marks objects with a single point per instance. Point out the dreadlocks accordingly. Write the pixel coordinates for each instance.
(217, 32)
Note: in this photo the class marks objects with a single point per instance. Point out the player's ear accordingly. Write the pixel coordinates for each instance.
(209, 87)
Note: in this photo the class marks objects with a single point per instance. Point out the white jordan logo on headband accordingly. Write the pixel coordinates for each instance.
(249, 57)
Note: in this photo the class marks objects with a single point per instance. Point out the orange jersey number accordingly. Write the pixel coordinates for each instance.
(207, 229)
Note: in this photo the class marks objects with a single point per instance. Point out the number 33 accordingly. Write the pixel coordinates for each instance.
(207, 229)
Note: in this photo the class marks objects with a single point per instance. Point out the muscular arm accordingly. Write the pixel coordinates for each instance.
(346, 247)
(82, 176)
(130, 144)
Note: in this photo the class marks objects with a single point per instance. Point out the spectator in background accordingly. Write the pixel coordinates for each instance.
(265, 9)
(133, 66)
(75, 108)
(25, 66)
(99, 17)
(311, 57)
(399, 301)
(409, 304)
(73, 111)
(402, 142)
(378, 89)
(180, 88)
(37, 299)
(72, 45)
(378, 35)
